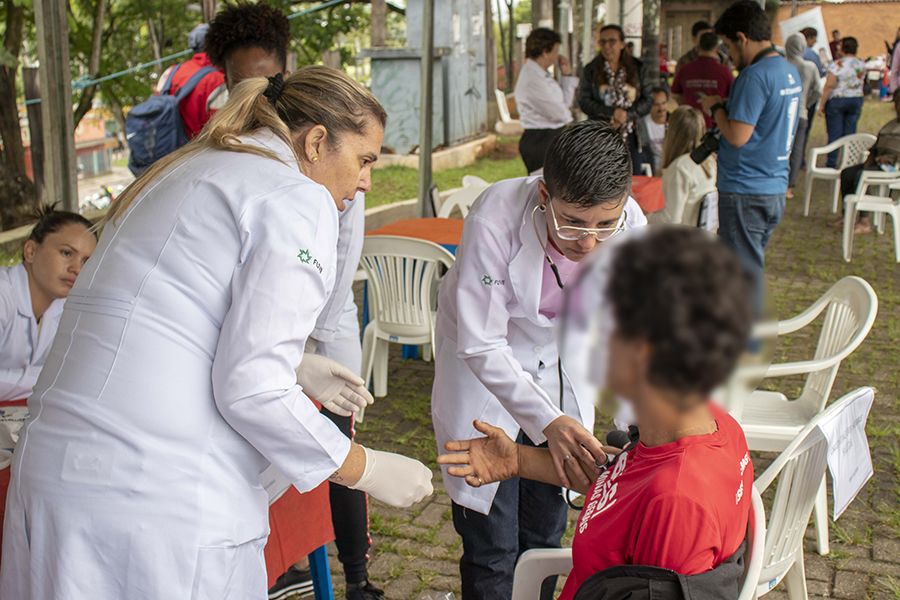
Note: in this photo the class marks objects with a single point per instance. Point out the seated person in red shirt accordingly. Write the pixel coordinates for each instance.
(679, 498)
(706, 75)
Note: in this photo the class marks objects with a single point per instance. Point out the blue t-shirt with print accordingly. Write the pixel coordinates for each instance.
(766, 95)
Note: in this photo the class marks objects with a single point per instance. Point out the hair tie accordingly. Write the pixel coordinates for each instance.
(274, 89)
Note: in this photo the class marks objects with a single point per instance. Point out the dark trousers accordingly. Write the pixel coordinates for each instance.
(746, 223)
(841, 116)
(350, 519)
(533, 146)
(850, 180)
(810, 115)
(797, 151)
(525, 515)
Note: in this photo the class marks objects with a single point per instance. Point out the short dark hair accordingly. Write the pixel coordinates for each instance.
(659, 90)
(708, 41)
(614, 27)
(810, 32)
(700, 26)
(747, 17)
(588, 164)
(50, 220)
(244, 25)
(684, 292)
(849, 45)
(541, 40)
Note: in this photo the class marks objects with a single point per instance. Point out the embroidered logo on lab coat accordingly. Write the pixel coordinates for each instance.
(306, 258)
(488, 280)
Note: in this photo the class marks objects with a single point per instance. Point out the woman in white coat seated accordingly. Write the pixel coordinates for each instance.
(685, 182)
(497, 357)
(32, 294)
(170, 386)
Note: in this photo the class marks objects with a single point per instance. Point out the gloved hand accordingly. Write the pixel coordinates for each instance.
(394, 479)
(333, 385)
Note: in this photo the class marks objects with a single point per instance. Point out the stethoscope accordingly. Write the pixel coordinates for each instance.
(562, 286)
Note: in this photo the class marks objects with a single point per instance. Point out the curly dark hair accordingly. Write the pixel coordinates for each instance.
(685, 293)
(243, 24)
(588, 164)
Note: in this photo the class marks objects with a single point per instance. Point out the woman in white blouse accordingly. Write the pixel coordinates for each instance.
(685, 182)
(32, 295)
(544, 105)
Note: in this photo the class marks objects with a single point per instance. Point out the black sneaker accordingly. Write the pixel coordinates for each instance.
(293, 582)
(364, 591)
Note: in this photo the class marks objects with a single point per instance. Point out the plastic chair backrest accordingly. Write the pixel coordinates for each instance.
(854, 148)
(756, 544)
(850, 307)
(462, 200)
(401, 275)
(799, 471)
(503, 106)
(882, 182)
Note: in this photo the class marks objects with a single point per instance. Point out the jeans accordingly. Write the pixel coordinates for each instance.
(797, 151)
(525, 515)
(841, 116)
(746, 223)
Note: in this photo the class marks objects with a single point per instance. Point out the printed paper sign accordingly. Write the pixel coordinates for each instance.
(810, 18)
(849, 459)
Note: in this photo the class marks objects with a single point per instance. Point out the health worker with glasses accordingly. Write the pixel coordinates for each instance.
(497, 358)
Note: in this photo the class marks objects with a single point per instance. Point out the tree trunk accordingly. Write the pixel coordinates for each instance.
(491, 49)
(155, 44)
(511, 40)
(541, 13)
(87, 94)
(504, 51)
(35, 128)
(378, 26)
(650, 39)
(10, 131)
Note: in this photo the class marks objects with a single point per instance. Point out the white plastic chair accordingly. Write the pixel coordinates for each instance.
(853, 150)
(535, 566)
(507, 125)
(402, 274)
(771, 420)
(463, 199)
(799, 470)
(878, 201)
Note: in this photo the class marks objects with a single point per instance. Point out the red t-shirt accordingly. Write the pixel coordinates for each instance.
(704, 75)
(682, 506)
(193, 109)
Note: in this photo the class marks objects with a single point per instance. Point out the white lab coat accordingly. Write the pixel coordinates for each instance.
(24, 344)
(171, 386)
(496, 356)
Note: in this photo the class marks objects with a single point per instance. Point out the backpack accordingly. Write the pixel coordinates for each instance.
(154, 128)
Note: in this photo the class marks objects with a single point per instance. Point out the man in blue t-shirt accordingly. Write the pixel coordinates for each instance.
(757, 132)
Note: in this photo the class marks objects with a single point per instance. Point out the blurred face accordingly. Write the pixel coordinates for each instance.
(611, 45)
(552, 56)
(603, 216)
(836, 36)
(54, 264)
(811, 41)
(737, 50)
(699, 33)
(660, 108)
(344, 168)
(627, 367)
(250, 61)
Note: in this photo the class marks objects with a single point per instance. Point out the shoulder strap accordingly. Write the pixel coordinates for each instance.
(168, 86)
(192, 83)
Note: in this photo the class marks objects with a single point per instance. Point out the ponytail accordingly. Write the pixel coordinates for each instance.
(314, 95)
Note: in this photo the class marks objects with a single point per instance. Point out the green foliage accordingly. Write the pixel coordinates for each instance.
(318, 32)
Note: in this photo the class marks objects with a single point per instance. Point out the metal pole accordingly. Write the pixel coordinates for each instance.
(56, 106)
(426, 89)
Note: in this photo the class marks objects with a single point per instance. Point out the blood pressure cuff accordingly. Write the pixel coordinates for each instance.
(635, 582)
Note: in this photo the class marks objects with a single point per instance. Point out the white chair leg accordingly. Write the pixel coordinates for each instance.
(368, 355)
(380, 367)
(849, 223)
(895, 223)
(835, 195)
(808, 191)
(795, 580)
(820, 513)
(426, 352)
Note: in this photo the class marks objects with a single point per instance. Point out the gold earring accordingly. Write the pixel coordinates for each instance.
(315, 158)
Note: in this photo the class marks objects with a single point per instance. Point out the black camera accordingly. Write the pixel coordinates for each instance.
(708, 145)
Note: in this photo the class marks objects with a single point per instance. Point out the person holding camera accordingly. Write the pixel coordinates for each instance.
(757, 128)
(544, 105)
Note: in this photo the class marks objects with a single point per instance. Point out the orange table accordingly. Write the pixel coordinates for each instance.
(648, 192)
(446, 232)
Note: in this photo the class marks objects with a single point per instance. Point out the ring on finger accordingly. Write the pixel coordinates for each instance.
(567, 457)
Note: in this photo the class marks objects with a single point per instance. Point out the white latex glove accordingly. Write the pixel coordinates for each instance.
(394, 479)
(333, 385)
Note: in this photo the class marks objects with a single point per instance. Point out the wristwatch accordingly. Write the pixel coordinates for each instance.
(715, 107)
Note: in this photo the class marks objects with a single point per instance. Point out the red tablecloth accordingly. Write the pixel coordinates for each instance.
(446, 232)
(648, 192)
(299, 524)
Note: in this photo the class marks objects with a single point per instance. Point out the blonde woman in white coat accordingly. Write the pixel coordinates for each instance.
(685, 182)
(170, 386)
(497, 357)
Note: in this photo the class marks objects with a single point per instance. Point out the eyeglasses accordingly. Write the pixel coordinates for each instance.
(575, 234)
